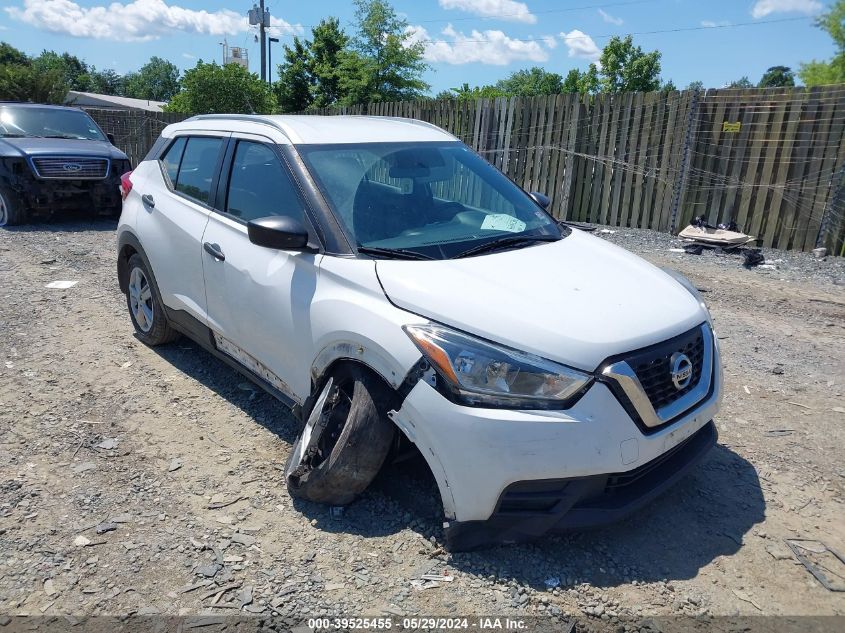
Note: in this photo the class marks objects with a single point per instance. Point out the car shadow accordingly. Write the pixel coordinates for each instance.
(66, 222)
(706, 515)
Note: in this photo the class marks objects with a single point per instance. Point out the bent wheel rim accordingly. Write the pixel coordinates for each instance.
(141, 300)
(323, 428)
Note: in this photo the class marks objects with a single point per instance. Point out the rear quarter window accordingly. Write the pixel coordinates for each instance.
(171, 159)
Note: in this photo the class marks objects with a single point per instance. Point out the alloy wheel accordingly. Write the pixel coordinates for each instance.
(4, 211)
(141, 300)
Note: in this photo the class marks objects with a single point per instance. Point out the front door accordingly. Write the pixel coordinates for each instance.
(259, 299)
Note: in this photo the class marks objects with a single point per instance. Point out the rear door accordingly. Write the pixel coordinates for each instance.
(177, 208)
(259, 299)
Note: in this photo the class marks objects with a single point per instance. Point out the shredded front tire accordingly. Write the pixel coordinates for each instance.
(345, 440)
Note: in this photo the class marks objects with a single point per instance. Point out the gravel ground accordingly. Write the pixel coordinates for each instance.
(149, 481)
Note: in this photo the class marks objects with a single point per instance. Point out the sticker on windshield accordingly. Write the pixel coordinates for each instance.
(503, 222)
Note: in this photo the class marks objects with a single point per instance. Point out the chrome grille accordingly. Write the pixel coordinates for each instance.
(70, 167)
(642, 380)
(654, 371)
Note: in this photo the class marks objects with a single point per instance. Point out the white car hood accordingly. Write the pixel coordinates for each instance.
(577, 301)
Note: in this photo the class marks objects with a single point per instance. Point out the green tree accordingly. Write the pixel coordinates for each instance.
(10, 55)
(294, 87)
(669, 86)
(531, 82)
(20, 82)
(105, 82)
(777, 77)
(586, 82)
(210, 88)
(626, 68)
(742, 82)
(696, 85)
(157, 80)
(73, 70)
(467, 93)
(572, 81)
(328, 42)
(383, 65)
(820, 73)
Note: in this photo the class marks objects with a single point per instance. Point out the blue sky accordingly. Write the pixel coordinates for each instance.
(474, 41)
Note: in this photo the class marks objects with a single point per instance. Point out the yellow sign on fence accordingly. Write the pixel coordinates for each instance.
(731, 127)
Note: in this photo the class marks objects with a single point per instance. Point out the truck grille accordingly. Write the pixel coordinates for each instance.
(70, 168)
(653, 369)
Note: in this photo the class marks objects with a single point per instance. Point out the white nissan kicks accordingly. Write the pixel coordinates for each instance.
(389, 284)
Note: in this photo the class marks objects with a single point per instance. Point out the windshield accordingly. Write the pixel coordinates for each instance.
(47, 122)
(436, 199)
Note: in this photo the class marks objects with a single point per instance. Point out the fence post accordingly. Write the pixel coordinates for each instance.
(838, 194)
(682, 176)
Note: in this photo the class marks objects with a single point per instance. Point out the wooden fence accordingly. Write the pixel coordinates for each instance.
(771, 160)
(134, 131)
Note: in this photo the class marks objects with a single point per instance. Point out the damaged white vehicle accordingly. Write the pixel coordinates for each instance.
(387, 282)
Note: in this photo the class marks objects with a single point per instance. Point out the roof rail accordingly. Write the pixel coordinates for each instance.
(252, 118)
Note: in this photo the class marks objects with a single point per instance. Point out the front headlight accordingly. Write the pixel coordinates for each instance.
(481, 373)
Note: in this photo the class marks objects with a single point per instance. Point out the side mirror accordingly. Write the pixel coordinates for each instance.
(540, 198)
(110, 136)
(279, 232)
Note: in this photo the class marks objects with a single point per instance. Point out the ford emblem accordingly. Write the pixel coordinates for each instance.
(72, 167)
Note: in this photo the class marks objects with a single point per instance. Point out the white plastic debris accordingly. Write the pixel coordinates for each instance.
(608, 231)
(61, 285)
(552, 582)
(677, 250)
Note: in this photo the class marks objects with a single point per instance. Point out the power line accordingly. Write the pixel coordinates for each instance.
(653, 32)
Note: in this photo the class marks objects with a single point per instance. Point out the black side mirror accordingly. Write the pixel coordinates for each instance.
(540, 198)
(279, 232)
(110, 136)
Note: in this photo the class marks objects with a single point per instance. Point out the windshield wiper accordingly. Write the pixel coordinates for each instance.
(67, 136)
(513, 240)
(393, 253)
(15, 135)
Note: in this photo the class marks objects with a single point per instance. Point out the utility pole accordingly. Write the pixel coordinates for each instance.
(265, 17)
(259, 16)
(270, 41)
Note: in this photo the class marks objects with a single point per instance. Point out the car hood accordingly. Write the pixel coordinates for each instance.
(52, 146)
(577, 301)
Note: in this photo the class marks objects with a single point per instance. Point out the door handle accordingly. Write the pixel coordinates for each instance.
(214, 251)
(148, 200)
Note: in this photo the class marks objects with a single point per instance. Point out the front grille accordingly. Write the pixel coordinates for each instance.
(653, 368)
(70, 167)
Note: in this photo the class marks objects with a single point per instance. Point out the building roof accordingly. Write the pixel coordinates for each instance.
(313, 129)
(94, 100)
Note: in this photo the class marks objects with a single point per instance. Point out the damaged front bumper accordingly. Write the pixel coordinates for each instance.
(42, 196)
(508, 475)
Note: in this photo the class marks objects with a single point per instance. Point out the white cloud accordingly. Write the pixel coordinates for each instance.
(503, 9)
(710, 24)
(484, 47)
(581, 45)
(762, 8)
(550, 41)
(188, 56)
(610, 19)
(138, 20)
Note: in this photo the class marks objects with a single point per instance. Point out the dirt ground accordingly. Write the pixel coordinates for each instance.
(146, 481)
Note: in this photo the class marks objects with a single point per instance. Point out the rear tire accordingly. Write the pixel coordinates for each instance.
(12, 209)
(145, 307)
(335, 463)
